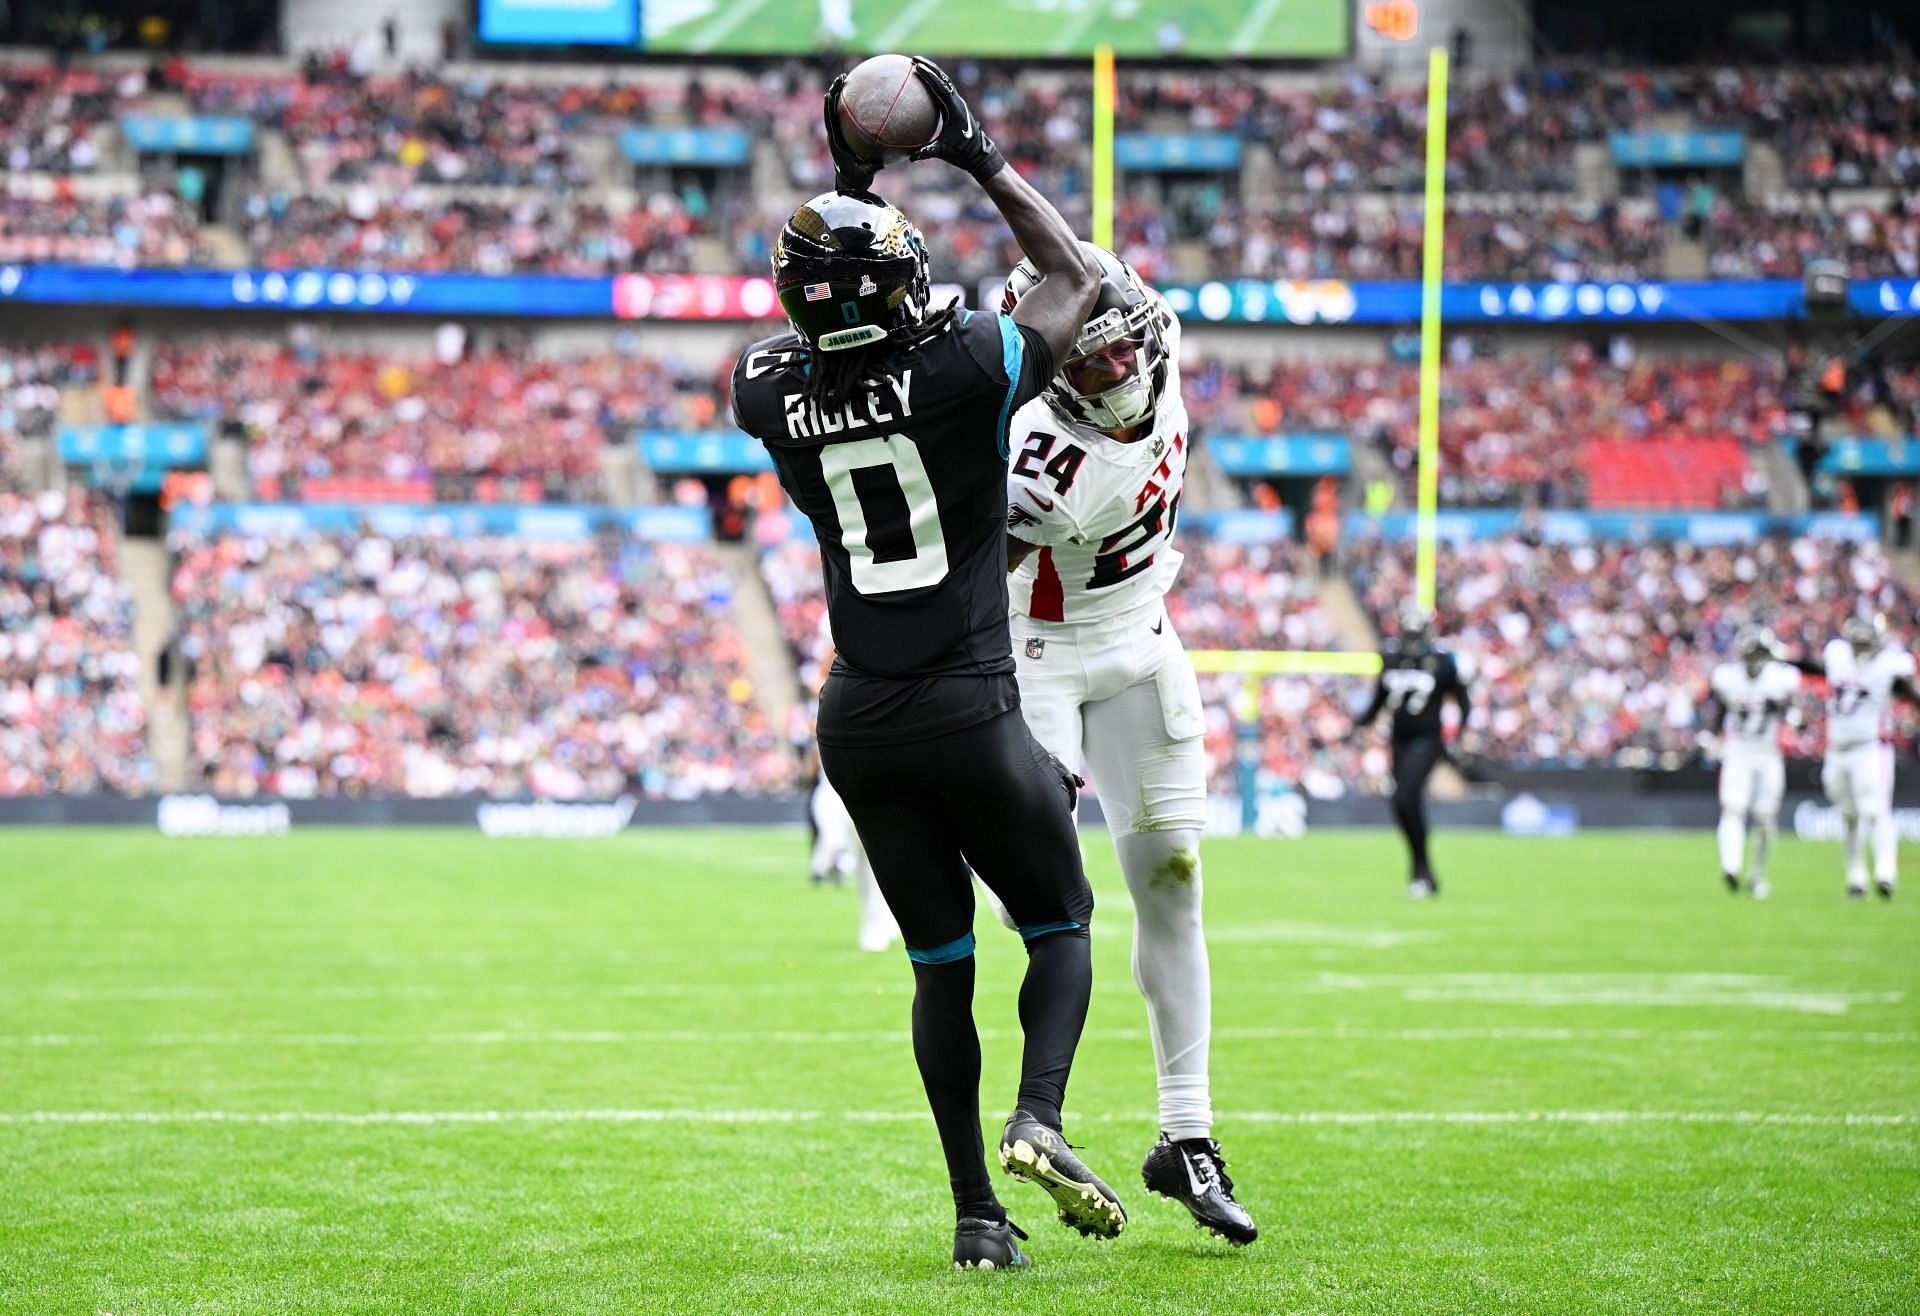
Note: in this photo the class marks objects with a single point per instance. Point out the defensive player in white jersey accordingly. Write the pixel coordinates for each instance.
(1093, 493)
(1863, 675)
(1753, 694)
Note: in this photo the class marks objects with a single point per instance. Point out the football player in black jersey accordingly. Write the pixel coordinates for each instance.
(887, 424)
(1414, 678)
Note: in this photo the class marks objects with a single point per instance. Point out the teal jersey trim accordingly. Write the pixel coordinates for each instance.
(957, 949)
(1013, 351)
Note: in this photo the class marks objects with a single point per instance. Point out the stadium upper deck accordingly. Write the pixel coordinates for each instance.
(496, 172)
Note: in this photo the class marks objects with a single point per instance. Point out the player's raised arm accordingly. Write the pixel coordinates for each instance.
(1069, 281)
(1379, 701)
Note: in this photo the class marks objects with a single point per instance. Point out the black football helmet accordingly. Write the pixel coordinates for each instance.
(1125, 308)
(849, 270)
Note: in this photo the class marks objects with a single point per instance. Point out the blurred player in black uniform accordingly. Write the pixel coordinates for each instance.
(1415, 678)
(887, 424)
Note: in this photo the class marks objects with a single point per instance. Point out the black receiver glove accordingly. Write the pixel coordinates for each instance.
(963, 142)
(851, 173)
(1070, 781)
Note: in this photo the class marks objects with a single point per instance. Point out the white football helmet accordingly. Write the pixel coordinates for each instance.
(1125, 309)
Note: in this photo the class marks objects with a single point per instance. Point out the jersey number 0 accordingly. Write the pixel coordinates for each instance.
(889, 516)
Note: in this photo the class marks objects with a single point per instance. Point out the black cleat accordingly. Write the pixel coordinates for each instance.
(1194, 1174)
(1423, 887)
(1030, 1150)
(987, 1244)
(1733, 882)
(1885, 888)
(1856, 892)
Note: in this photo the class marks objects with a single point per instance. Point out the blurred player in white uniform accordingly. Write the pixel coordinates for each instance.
(1093, 493)
(1753, 694)
(838, 853)
(1863, 675)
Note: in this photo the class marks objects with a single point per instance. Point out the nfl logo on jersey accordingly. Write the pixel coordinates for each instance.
(1035, 647)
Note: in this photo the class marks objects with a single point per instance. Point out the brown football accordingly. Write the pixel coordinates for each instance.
(885, 111)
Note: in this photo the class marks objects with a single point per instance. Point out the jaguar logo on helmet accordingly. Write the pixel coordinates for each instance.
(850, 269)
(1126, 309)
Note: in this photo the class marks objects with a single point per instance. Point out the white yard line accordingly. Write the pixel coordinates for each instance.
(724, 22)
(756, 1116)
(894, 35)
(886, 1036)
(1257, 18)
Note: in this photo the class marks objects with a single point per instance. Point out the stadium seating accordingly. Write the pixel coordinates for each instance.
(496, 418)
(1514, 428)
(1662, 472)
(327, 665)
(71, 719)
(378, 158)
(1599, 653)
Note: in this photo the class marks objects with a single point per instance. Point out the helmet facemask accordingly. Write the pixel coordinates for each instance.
(1126, 309)
(1130, 401)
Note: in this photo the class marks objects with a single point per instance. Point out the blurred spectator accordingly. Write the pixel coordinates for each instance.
(71, 719)
(1514, 429)
(1599, 653)
(329, 665)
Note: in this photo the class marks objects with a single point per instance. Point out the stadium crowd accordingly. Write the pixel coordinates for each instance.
(378, 155)
(149, 229)
(1757, 242)
(1599, 653)
(1263, 596)
(327, 665)
(71, 718)
(495, 413)
(1515, 428)
(414, 231)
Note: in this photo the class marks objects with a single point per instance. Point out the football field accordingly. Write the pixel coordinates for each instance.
(422, 1071)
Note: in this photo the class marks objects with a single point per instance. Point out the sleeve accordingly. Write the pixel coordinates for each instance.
(1716, 684)
(1788, 679)
(1016, 361)
(1375, 704)
(1903, 667)
(733, 399)
(1036, 514)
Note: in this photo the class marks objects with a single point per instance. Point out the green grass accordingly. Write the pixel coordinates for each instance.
(695, 972)
(1016, 28)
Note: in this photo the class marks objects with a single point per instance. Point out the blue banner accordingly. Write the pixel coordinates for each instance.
(1576, 527)
(132, 458)
(155, 445)
(199, 134)
(1849, 455)
(456, 520)
(560, 22)
(1884, 457)
(1281, 454)
(1177, 152)
(1241, 525)
(1678, 150)
(719, 452)
(720, 148)
(1337, 301)
(716, 297)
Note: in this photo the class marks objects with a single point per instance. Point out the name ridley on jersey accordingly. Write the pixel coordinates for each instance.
(1101, 511)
